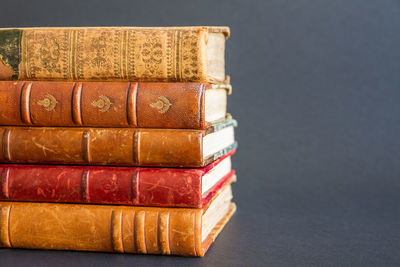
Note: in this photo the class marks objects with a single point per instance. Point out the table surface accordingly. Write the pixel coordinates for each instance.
(316, 93)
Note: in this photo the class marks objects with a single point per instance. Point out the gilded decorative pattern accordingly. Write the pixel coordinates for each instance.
(50, 54)
(152, 55)
(190, 58)
(162, 105)
(79, 71)
(65, 60)
(103, 103)
(169, 55)
(49, 102)
(123, 55)
(149, 48)
(178, 53)
(112, 54)
(98, 46)
(131, 70)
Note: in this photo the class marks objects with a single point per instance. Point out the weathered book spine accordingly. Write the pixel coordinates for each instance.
(103, 104)
(101, 53)
(157, 187)
(104, 228)
(104, 146)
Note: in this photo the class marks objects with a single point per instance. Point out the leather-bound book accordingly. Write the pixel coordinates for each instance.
(158, 187)
(117, 146)
(155, 54)
(108, 228)
(112, 104)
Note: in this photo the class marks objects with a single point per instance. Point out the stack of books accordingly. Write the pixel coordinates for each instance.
(115, 139)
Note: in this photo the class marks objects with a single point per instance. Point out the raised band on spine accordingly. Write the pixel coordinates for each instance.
(25, 103)
(5, 210)
(5, 183)
(76, 104)
(131, 105)
(163, 232)
(116, 231)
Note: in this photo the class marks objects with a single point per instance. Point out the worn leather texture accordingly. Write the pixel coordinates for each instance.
(164, 54)
(158, 187)
(106, 146)
(103, 104)
(105, 228)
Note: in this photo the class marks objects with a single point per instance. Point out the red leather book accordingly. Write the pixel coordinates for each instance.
(160, 187)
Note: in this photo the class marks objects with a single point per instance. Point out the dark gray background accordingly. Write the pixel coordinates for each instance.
(316, 94)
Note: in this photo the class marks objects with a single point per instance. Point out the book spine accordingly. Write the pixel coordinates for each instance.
(111, 54)
(160, 187)
(101, 228)
(102, 104)
(102, 146)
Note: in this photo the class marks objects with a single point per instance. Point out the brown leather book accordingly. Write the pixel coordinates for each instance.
(117, 146)
(167, 54)
(123, 229)
(112, 104)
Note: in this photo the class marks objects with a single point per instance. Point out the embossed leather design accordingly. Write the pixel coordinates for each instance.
(163, 187)
(103, 104)
(163, 54)
(105, 146)
(146, 230)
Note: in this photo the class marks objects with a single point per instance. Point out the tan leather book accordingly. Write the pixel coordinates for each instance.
(123, 229)
(112, 104)
(117, 146)
(168, 54)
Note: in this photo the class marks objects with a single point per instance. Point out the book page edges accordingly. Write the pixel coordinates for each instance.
(215, 232)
